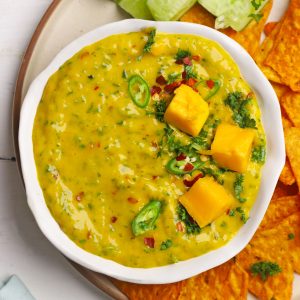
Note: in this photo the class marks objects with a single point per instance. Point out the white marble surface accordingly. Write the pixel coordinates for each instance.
(24, 250)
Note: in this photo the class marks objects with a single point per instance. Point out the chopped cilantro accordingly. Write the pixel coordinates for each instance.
(173, 77)
(256, 17)
(231, 213)
(238, 187)
(238, 104)
(242, 213)
(189, 72)
(291, 236)
(182, 54)
(150, 41)
(256, 4)
(165, 245)
(160, 108)
(265, 269)
(259, 154)
(124, 74)
(190, 224)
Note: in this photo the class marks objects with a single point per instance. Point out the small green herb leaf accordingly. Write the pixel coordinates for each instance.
(190, 224)
(165, 245)
(256, 4)
(150, 41)
(182, 54)
(259, 154)
(265, 269)
(256, 17)
(238, 187)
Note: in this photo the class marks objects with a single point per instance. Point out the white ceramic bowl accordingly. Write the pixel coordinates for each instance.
(271, 119)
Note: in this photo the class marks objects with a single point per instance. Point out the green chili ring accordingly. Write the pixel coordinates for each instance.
(214, 90)
(172, 167)
(137, 86)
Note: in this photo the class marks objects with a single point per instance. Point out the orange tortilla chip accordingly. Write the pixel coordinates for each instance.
(284, 56)
(280, 209)
(283, 190)
(286, 123)
(149, 291)
(287, 176)
(278, 286)
(282, 240)
(249, 37)
(291, 104)
(269, 28)
(292, 143)
(198, 14)
(279, 89)
(263, 52)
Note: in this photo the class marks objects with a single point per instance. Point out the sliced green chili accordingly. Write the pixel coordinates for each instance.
(214, 90)
(139, 91)
(146, 218)
(179, 167)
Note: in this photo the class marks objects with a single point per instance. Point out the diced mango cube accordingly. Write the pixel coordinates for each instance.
(206, 200)
(232, 146)
(187, 111)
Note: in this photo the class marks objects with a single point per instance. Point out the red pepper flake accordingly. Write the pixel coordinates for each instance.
(96, 88)
(250, 95)
(149, 241)
(154, 177)
(113, 219)
(132, 200)
(179, 226)
(169, 88)
(161, 80)
(179, 61)
(79, 196)
(89, 235)
(190, 82)
(183, 74)
(154, 144)
(188, 167)
(155, 90)
(210, 83)
(84, 54)
(187, 61)
(180, 157)
(196, 57)
(190, 183)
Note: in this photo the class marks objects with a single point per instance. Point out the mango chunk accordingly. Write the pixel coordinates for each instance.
(187, 111)
(232, 146)
(206, 200)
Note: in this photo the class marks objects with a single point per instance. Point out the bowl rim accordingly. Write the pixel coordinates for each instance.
(271, 119)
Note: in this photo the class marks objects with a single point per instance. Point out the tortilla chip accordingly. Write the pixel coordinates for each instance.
(263, 51)
(279, 89)
(286, 123)
(198, 14)
(291, 104)
(269, 28)
(287, 176)
(228, 281)
(249, 37)
(283, 239)
(292, 143)
(284, 57)
(278, 286)
(149, 291)
(280, 209)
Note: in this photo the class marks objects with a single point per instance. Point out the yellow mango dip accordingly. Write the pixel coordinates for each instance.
(128, 169)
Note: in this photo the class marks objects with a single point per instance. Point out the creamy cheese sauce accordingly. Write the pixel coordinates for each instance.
(96, 152)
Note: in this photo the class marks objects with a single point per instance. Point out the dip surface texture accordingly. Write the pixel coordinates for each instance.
(101, 158)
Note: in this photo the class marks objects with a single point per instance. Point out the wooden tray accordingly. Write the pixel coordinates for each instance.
(64, 21)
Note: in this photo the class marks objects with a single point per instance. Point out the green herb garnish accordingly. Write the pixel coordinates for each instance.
(238, 187)
(291, 236)
(241, 116)
(259, 154)
(265, 269)
(256, 4)
(182, 54)
(190, 224)
(165, 245)
(189, 73)
(256, 17)
(150, 41)
(160, 108)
